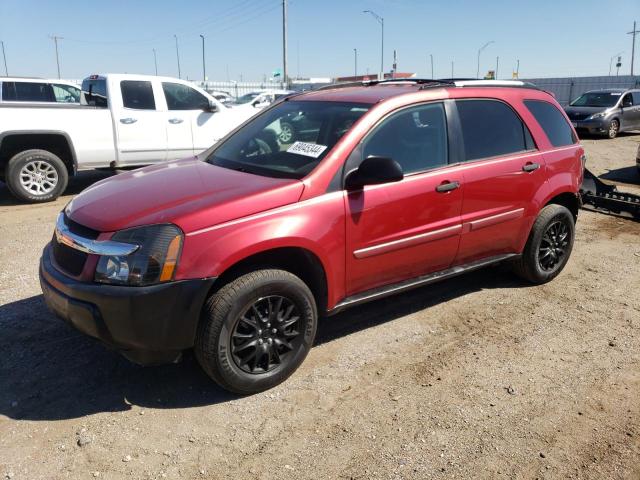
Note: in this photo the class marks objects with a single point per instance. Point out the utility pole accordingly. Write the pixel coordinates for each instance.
(55, 40)
(4, 56)
(380, 20)
(431, 55)
(452, 69)
(355, 55)
(518, 68)
(495, 77)
(284, 43)
(155, 61)
(204, 69)
(178, 56)
(633, 44)
(479, 52)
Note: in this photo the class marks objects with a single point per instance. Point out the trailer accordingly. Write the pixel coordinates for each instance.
(599, 196)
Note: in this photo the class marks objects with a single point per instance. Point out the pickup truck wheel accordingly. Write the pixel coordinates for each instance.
(256, 331)
(36, 176)
(549, 245)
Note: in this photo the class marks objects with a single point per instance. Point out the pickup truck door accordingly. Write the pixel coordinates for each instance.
(191, 127)
(140, 126)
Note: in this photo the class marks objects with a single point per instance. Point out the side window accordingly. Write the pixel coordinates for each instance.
(627, 101)
(553, 123)
(66, 93)
(27, 92)
(182, 97)
(416, 138)
(491, 128)
(636, 98)
(137, 95)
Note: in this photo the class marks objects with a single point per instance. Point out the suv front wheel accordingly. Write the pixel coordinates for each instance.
(549, 245)
(256, 331)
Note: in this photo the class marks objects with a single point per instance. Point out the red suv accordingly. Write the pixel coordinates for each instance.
(388, 186)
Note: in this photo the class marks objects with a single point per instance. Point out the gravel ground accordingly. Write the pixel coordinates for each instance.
(478, 377)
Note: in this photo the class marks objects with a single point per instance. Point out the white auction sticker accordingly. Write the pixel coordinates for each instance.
(307, 149)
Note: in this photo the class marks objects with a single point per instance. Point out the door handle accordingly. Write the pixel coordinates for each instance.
(128, 121)
(175, 121)
(530, 167)
(447, 186)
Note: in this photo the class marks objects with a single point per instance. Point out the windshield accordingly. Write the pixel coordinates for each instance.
(289, 140)
(247, 98)
(596, 99)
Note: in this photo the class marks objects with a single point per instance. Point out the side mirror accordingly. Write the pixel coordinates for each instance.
(212, 107)
(373, 171)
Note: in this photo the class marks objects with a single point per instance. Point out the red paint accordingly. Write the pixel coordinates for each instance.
(405, 229)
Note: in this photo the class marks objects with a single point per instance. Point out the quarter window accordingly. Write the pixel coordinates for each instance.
(137, 95)
(27, 92)
(182, 97)
(553, 123)
(66, 93)
(416, 138)
(491, 128)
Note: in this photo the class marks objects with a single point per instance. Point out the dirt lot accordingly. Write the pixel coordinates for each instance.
(477, 377)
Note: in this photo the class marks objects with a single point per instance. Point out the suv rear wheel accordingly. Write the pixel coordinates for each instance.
(256, 331)
(549, 245)
(36, 176)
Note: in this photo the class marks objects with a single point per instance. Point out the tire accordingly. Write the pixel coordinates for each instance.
(36, 176)
(614, 129)
(229, 323)
(287, 133)
(541, 260)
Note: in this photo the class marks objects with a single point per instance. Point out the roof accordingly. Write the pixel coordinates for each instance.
(374, 92)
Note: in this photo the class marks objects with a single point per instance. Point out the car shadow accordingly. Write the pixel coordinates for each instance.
(629, 175)
(49, 371)
(76, 184)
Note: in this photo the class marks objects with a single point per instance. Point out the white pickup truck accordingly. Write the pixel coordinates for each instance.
(122, 121)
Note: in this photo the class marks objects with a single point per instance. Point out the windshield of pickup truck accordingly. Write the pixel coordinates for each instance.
(596, 99)
(288, 140)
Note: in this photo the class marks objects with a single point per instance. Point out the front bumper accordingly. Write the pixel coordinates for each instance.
(599, 125)
(148, 325)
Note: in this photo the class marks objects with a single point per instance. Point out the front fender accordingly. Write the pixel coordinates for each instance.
(316, 225)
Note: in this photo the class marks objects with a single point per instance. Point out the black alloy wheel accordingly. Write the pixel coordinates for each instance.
(553, 246)
(266, 334)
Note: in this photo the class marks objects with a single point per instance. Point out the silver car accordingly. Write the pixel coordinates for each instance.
(606, 112)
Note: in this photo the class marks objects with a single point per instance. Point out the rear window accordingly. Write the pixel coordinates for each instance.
(94, 92)
(553, 123)
(137, 94)
(491, 128)
(27, 92)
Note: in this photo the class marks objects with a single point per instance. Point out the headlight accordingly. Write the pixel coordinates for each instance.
(154, 262)
(597, 115)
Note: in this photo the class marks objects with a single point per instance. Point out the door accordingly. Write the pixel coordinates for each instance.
(401, 230)
(632, 113)
(503, 171)
(142, 135)
(191, 127)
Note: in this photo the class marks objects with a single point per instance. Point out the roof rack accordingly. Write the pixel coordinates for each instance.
(496, 83)
(434, 83)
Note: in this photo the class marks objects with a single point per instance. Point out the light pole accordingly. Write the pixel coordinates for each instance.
(355, 59)
(452, 77)
(155, 61)
(380, 20)
(284, 44)
(431, 55)
(178, 56)
(495, 76)
(204, 70)
(611, 61)
(479, 52)
(518, 69)
(4, 56)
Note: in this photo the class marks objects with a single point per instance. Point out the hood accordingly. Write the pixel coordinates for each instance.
(190, 193)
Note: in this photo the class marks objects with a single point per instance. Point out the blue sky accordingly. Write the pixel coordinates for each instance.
(243, 37)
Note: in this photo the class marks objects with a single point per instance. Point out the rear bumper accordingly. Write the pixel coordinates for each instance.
(148, 325)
